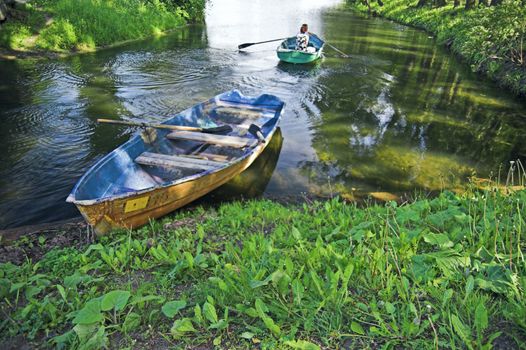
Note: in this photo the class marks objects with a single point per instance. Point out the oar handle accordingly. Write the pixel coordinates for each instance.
(150, 125)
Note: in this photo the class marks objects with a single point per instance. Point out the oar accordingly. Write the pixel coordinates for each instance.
(213, 130)
(245, 45)
(338, 50)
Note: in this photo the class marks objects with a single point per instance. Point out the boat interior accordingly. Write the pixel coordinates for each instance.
(156, 157)
(290, 43)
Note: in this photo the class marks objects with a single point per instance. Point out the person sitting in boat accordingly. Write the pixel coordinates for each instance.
(302, 39)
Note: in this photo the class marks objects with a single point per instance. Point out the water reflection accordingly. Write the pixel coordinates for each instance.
(400, 115)
(409, 118)
(253, 181)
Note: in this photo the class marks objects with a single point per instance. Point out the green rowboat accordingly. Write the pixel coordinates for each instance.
(287, 50)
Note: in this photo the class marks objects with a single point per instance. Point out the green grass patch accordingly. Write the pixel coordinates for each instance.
(490, 39)
(447, 272)
(66, 25)
(14, 34)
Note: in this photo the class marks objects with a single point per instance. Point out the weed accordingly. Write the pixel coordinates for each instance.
(435, 273)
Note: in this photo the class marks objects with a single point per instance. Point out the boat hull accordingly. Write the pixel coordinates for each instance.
(158, 171)
(286, 51)
(298, 57)
(135, 211)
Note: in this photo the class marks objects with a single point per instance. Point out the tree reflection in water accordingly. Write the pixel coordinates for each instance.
(402, 117)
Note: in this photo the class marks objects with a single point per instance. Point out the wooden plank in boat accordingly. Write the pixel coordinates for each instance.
(210, 156)
(220, 140)
(169, 161)
(184, 158)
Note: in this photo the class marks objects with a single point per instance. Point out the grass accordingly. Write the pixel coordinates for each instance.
(447, 272)
(489, 39)
(83, 25)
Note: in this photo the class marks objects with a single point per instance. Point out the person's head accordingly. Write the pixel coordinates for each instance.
(304, 28)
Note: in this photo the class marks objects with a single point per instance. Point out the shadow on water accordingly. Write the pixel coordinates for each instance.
(252, 182)
(302, 70)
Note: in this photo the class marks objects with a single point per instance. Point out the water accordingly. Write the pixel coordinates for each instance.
(400, 115)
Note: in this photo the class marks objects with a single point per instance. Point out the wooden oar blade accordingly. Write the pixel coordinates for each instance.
(242, 46)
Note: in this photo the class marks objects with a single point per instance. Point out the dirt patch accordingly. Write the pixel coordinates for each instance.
(16, 343)
(32, 242)
(174, 225)
(139, 340)
(510, 338)
(8, 54)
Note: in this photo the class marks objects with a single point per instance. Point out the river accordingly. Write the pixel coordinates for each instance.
(402, 115)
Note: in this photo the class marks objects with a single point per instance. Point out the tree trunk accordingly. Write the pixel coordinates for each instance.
(368, 3)
(495, 2)
(421, 3)
(3, 11)
(470, 4)
(441, 3)
(456, 3)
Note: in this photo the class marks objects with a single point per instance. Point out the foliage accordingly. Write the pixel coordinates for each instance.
(15, 33)
(86, 24)
(193, 8)
(447, 272)
(490, 38)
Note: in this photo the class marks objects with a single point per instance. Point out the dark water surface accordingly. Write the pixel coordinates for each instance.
(400, 115)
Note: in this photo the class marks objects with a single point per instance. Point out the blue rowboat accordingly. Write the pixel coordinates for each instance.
(158, 171)
(287, 50)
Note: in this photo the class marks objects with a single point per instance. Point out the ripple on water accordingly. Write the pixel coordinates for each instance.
(153, 85)
(44, 135)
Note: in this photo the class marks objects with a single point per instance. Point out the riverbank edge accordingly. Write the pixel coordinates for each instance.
(24, 19)
(208, 244)
(12, 55)
(516, 87)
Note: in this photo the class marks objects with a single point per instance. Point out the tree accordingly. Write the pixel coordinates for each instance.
(368, 4)
(470, 4)
(421, 3)
(3, 11)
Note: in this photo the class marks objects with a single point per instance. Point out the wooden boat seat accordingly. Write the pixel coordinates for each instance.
(177, 161)
(220, 140)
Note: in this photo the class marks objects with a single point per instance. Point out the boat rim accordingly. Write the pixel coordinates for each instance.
(318, 51)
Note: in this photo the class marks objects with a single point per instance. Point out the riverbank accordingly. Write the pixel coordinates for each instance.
(42, 28)
(428, 274)
(489, 38)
